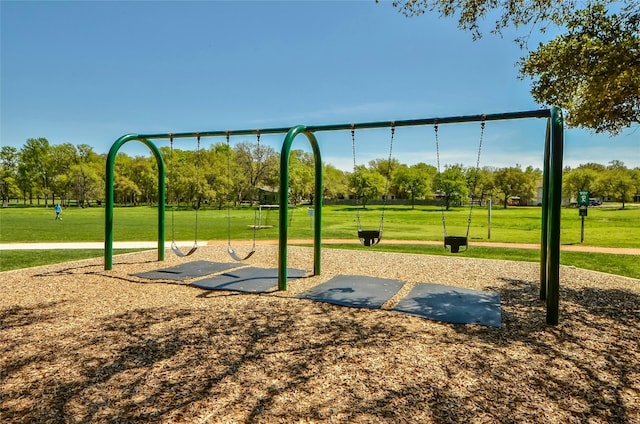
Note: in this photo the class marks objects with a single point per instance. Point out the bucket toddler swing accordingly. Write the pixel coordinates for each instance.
(454, 243)
(372, 237)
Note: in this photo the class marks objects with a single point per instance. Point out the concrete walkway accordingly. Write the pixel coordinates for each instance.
(153, 245)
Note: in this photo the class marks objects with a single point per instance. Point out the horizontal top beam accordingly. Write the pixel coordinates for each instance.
(539, 113)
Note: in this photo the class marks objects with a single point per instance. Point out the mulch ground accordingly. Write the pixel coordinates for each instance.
(81, 344)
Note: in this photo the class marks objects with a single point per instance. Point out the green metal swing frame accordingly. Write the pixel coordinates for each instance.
(551, 189)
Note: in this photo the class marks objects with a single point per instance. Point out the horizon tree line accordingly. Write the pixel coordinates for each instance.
(248, 172)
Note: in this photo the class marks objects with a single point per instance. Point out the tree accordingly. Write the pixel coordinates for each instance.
(592, 71)
(174, 159)
(218, 185)
(256, 164)
(144, 174)
(335, 182)
(533, 180)
(451, 185)
(598, 167)
(617, 183)
(35, 168)
(484, 185)
(414, 181)
(87, 175)
(8, 173)
(386, 167)
(579, 179)
(366, 184)
(635, 176)
(86, 182)
(301, 176)
(185, 178)
(511, 182)
(63, 156)
(124, 189)
(517, 13)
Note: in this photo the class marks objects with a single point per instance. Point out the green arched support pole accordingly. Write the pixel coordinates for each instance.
(544, 227)
(553, 207)
(109, 196)
(284, 203)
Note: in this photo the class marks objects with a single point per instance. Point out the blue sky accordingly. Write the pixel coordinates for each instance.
(90, 71)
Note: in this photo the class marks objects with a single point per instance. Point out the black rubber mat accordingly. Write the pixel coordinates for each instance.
(248, 280)
(452, 304)
(188, 270)
(354, 290)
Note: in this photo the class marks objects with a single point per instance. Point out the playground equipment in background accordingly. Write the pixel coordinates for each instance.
(259, 225)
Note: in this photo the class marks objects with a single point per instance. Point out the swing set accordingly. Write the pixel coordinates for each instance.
(373, 237)
(230, 250)
(454, 243)
(451, 243)
(174, 247)
(551, 202)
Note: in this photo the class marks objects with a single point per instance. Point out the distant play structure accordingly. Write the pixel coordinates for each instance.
(551, 190)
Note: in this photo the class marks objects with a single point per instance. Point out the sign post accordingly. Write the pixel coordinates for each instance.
(583, 204)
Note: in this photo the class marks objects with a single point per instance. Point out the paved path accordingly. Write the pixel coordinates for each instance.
(153, 245)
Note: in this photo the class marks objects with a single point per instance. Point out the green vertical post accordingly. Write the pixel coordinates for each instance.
(284, 203)
(109, 196)
(544, 231)
(555, 196)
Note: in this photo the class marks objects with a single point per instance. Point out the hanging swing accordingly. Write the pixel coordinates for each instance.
(454, 243)
(372, 237)
(230, 249)
(174, 247)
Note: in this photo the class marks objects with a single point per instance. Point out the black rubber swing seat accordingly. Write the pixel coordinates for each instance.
(455, 242)
(369, 237)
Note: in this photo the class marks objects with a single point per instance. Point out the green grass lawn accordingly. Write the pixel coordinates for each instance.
(606, 226)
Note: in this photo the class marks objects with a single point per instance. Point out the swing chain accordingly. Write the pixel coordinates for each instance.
(355, 167)
(475, 179)
(198, 165)
(444, 221)
(171, 154)
(229, 184)
(171, 176)
(353, 145)
(435, 128)
(386, 188)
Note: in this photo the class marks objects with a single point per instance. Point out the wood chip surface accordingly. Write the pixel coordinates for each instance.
(83, 345)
